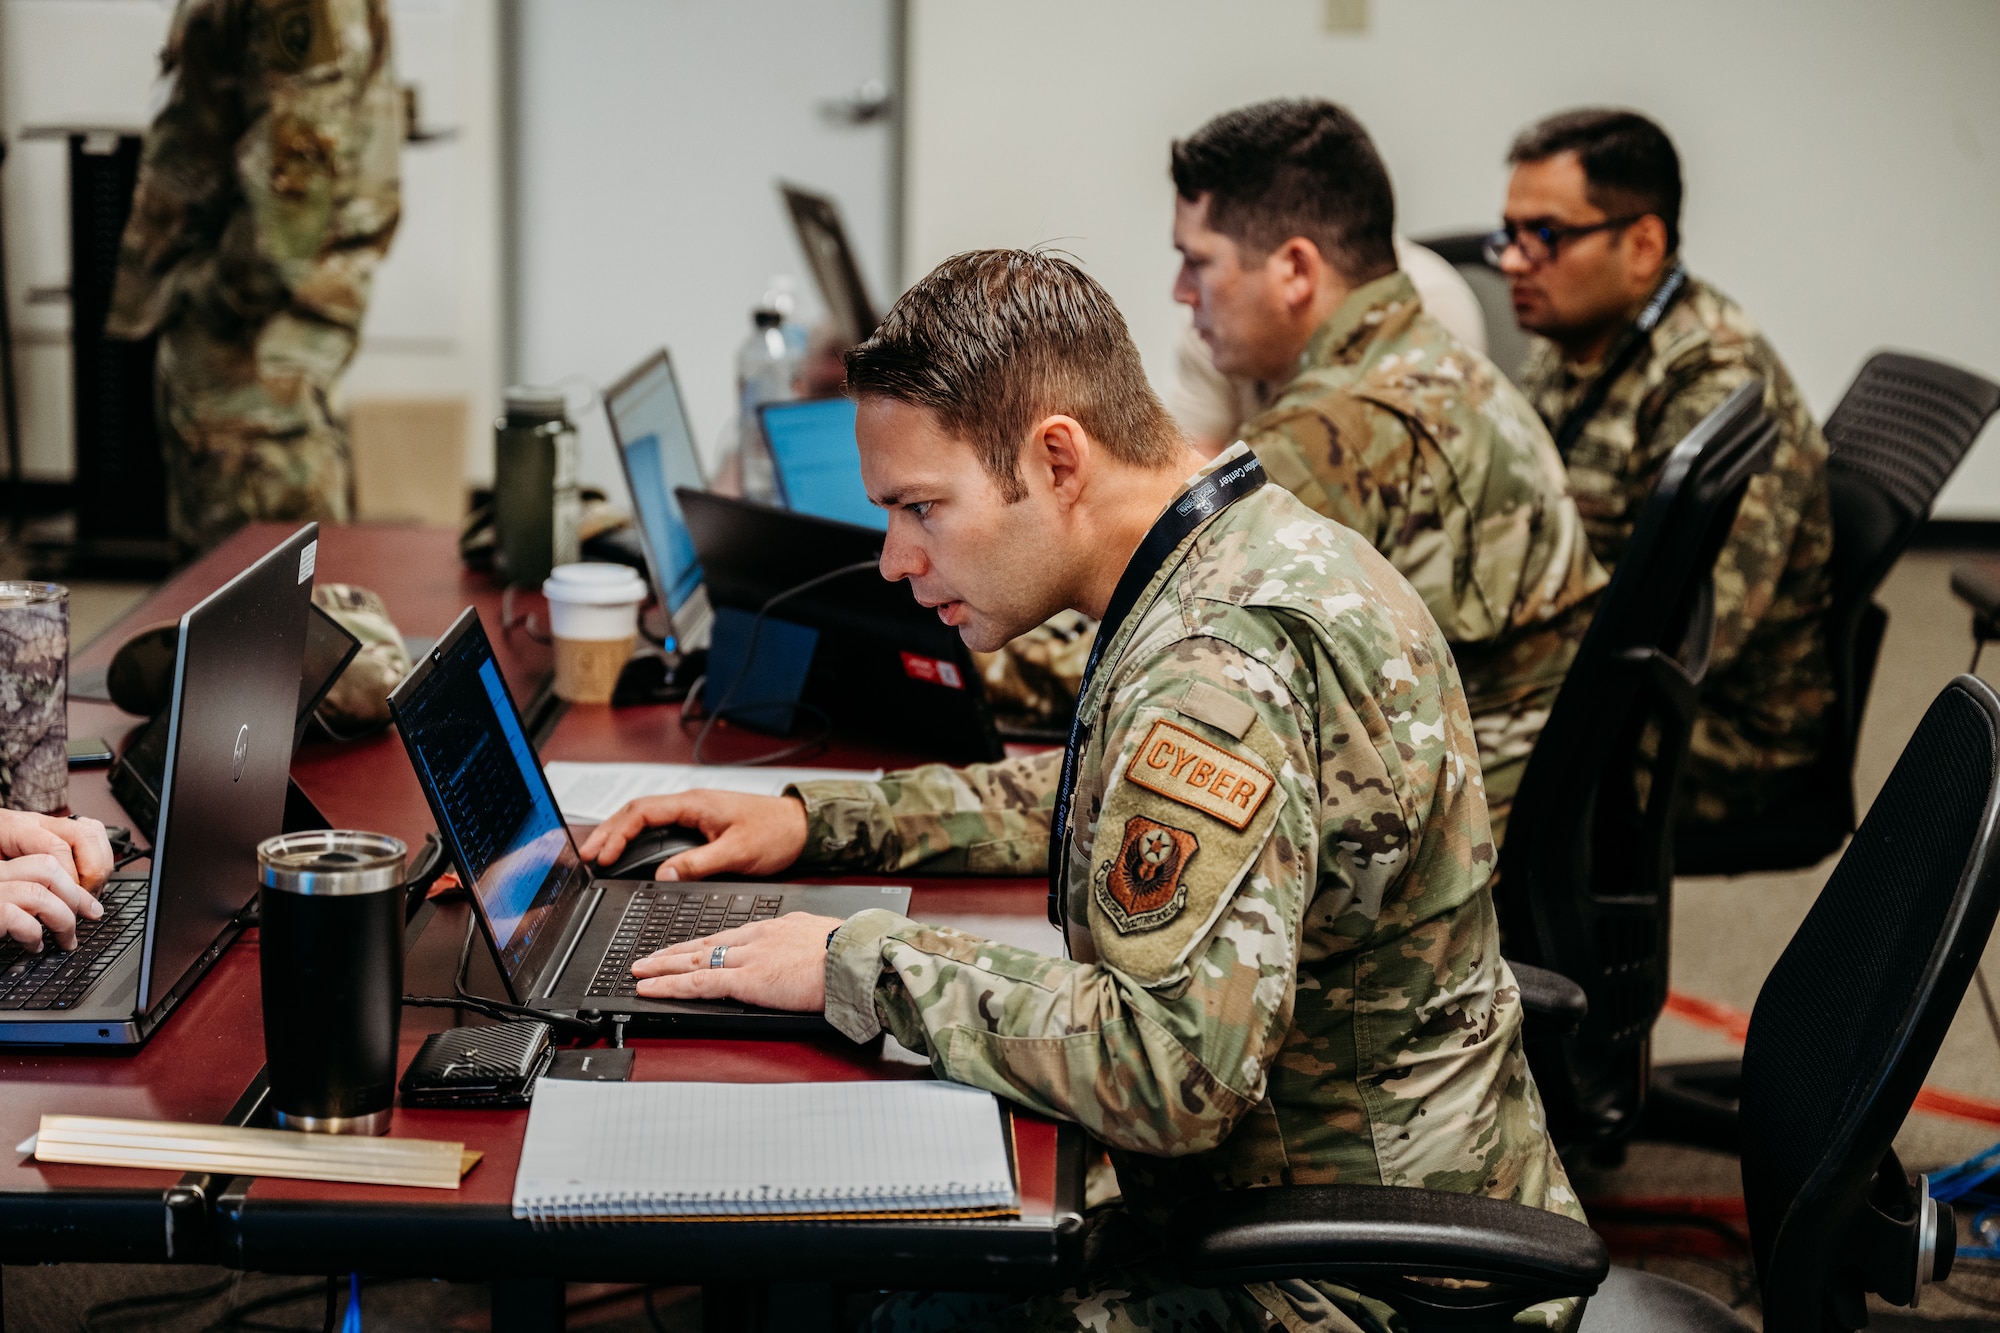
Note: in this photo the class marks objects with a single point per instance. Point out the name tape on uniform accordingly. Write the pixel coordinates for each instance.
(1183, 767)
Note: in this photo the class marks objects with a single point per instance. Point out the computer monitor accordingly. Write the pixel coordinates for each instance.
(822, 236)
(818, 462)
(656, 448)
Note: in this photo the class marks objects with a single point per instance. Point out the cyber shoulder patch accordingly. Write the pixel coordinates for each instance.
(1145, 884)
(1183, 767)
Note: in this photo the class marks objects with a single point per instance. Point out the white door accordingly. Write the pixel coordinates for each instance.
(649, 137)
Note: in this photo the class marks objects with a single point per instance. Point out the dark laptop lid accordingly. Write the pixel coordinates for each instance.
(823, 238)
(229, 753)
(818, 462)
(491, 801)
(656, 448)
(884, 666)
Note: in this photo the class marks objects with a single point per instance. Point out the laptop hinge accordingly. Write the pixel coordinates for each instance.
(582, 926)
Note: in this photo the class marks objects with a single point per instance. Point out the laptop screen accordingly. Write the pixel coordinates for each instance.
(818, 462)
(659, 454)
(461, 729)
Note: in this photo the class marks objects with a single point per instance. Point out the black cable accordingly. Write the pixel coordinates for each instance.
(750, 656)
(125, 1304)
(1986, 999)
(332, 1304)
(500, 1011)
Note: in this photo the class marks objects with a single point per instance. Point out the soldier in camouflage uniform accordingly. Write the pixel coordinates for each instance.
(1387, 423)
(1284, 962)
(268, 192)
(1592, 240)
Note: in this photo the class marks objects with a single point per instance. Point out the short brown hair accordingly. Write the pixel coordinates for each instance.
(992, 341)
(1294, 167)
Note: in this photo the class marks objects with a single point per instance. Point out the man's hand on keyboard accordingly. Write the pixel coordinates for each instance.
(79, 845)
(780, 964)
(38, 891)
(747, 835)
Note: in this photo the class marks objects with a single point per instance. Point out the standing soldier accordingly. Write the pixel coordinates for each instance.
(1267, 835)
(268, 192)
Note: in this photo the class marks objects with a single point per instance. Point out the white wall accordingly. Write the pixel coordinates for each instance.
(651, 135)
(1842, 156)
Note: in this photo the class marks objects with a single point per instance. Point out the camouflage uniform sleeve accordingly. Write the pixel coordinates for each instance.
(187, 185)
(1202, 858)
(984, 819)
(1753, 560)
(1321, 454)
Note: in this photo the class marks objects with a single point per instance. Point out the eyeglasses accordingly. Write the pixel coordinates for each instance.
(1540, 242)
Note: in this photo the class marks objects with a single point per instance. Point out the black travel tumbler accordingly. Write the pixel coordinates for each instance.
(332, 960)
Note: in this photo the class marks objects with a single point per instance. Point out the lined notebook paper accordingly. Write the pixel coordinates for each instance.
(588, 793)
(632, 1151)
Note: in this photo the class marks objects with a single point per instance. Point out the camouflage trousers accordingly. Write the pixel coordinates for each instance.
(1132, 1300)
(247, 426)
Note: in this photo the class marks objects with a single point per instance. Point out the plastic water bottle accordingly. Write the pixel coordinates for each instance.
(767, 368)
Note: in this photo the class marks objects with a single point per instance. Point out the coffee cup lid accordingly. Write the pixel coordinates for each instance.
(593, 583)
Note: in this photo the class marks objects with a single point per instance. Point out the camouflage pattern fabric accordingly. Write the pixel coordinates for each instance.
(34, 701)
(1033, 680)
(359, 700)
(1284, 962)
(268, 193)
(1763, 715)
(1398, 430)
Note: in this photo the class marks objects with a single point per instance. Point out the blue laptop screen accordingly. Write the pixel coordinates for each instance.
(659, 455)
(818, 462)
(463, 732)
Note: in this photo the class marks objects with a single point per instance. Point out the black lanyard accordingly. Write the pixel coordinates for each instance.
(1209, 496)
(1621, 358)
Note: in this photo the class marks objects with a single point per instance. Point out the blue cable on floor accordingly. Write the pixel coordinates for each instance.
(352, 1323)
(1972, 1182)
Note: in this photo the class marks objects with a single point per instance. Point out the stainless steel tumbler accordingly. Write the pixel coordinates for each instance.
(331, 948)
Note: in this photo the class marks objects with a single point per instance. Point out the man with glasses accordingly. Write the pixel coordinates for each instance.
(1637, 352)
(1381, 419)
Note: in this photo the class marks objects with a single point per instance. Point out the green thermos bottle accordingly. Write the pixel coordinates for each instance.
(535, 504)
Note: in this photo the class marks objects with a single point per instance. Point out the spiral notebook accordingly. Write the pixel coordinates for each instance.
(612, 1152)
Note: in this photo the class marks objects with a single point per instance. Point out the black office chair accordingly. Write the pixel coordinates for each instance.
(1585, 879)
(1893, 440)
(1842, 1036)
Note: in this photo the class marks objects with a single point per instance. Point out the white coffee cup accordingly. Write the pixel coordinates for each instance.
(594, 619)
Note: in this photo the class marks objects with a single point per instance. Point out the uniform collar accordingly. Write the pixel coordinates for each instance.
(1093, 698)
(1360, 319)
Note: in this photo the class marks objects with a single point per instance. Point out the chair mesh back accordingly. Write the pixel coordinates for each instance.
(1849, 1020)
(1905, 423)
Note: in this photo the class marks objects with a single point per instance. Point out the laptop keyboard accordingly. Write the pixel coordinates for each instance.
(53, 979)
(655, 918)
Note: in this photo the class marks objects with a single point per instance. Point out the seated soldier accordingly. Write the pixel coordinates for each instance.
(1637, 353)
(1384, 421)
(1269, 839)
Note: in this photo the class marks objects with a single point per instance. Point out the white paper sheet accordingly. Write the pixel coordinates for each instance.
(588, 793)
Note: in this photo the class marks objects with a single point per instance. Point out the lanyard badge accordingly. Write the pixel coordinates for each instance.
(1202, 501)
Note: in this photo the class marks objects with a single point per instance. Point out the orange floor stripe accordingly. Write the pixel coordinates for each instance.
(1735, 1024)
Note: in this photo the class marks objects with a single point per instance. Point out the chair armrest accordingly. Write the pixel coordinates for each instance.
(1384, 1240)
(1553, 1002)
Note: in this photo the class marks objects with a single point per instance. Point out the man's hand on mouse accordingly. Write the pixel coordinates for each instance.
(780, 964)
(747, 835)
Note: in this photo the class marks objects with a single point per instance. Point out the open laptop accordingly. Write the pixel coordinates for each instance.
(823, 238)
(565, 940)
(656, 448)
(229, 752)
(883, 667)
(818, 462)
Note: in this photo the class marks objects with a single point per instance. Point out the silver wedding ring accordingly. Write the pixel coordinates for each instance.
(715, 955)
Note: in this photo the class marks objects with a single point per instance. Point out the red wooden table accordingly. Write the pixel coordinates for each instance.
(203, 1064)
